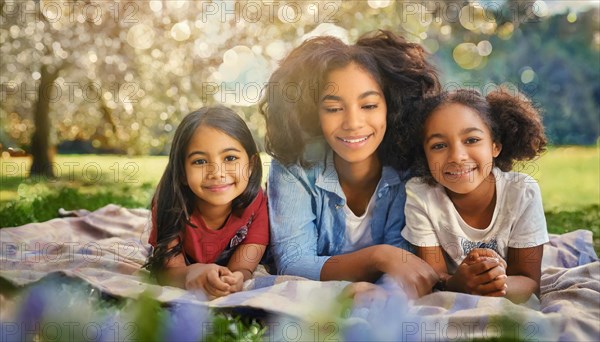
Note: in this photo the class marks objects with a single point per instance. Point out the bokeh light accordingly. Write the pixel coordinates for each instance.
(140, 36)
(467, 56)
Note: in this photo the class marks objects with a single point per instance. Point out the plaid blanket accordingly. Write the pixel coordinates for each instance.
(107, 248)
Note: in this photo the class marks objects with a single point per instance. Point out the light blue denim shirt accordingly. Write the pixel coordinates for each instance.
(308, 221)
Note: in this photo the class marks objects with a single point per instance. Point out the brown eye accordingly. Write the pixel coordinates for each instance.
(472, 140)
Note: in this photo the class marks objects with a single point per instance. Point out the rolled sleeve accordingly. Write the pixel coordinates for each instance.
(293, 223)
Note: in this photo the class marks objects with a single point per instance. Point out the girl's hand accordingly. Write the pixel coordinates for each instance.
(478, 275)
(235, 281)
(207, 277)
(412, 273)
(476, 253)
(358, 289)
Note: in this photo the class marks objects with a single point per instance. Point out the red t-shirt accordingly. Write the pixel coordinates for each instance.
(204, 245)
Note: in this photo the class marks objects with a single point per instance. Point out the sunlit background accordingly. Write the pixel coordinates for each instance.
(117, 76)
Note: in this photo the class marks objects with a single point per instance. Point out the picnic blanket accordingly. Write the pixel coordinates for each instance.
(107, 247)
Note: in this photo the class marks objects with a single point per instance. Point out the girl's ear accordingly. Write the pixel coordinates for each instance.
(496, 149)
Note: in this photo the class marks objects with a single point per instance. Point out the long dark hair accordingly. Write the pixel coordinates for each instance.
(290, 99)
(511, 118)
(173, 202)
(408, 77)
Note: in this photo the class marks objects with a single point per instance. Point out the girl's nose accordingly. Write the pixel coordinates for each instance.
(212, 171)
(353, 119)
(458, 153)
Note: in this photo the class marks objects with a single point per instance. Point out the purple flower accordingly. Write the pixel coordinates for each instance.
(186, 321)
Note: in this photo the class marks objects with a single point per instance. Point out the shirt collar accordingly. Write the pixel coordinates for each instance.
(328, 180)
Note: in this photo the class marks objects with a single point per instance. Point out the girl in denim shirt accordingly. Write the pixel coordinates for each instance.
(336, 195)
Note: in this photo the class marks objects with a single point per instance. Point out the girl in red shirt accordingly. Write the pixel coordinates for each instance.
(209, 214)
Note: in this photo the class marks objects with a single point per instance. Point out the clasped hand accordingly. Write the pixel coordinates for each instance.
(214, 280)
(482, 272)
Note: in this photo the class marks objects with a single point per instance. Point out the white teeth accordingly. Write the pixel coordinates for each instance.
(354, 141)
(460, 172)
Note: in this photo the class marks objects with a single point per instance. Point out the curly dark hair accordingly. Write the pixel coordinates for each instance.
(173, 202)
(290, 99)
(513, 120)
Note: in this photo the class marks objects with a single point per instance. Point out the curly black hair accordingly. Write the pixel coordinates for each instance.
(290, 99)
(513, 120)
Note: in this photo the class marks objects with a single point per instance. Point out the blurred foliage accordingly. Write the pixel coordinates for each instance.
(40, 201)
(128, 71)
(60, 308)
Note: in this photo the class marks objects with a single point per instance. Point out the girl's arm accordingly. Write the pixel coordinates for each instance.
(247, 255)
(368, 264)
(434, 256)
(524, 272)
(294, 236)
(245, 259)
(524, 261)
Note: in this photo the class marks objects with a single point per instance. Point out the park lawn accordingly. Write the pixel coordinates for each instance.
(568, 176)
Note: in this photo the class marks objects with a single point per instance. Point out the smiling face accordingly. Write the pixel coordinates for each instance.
(217, 167)
(352, 112)
(459, 148)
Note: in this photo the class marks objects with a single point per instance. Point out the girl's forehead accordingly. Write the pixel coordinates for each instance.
(211, 137)
(455, 114)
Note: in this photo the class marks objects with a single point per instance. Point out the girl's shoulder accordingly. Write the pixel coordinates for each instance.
(259, 201)
(418, 184)
(516, 180)
(516, 187)
(418, 188)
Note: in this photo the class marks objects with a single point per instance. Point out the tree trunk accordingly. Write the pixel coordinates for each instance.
(41, 165)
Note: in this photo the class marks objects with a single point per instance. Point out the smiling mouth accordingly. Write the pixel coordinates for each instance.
(460, 173)
(355, 140)
(217, 188)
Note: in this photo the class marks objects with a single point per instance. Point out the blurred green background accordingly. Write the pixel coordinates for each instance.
(91, 92)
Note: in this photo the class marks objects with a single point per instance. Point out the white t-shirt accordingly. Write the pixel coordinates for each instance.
(518, 220)
(358, 228)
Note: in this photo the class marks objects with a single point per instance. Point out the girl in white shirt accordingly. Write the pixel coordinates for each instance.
(480, 226)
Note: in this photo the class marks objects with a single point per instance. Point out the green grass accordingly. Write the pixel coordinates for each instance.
(82, 182)
(568, 176)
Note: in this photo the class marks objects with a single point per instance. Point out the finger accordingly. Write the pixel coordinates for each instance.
(231, 280)
(211, 290)
(356, 288)
(491, 275)
(484, 266)
(215, 282)
(224, 271)
(488, 252)
(497, 285)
